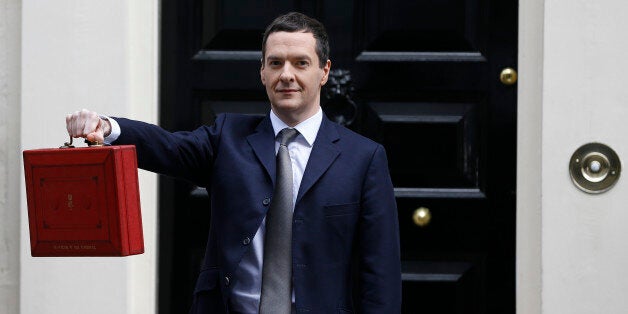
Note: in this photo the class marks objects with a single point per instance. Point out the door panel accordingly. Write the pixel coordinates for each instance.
(430, 144)
(424, 82)
(440, 287)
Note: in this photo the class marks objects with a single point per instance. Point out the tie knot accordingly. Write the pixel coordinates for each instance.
(286, 136)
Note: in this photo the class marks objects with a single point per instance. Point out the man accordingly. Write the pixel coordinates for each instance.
(308, 225)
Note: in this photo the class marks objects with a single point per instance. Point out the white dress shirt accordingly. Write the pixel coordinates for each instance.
(247, 285)
(115, 130)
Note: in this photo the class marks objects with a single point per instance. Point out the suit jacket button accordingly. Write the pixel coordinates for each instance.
(246, 241)
(227, 281)
(266, 201)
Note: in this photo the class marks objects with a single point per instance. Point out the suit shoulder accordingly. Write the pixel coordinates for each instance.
(236, 120)
(356, 142)
(239, 118)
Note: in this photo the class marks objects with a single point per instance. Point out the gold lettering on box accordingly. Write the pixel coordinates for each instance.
(63, 247)
(70, 203)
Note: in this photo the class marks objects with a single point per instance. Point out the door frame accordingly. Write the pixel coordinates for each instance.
(529, 157)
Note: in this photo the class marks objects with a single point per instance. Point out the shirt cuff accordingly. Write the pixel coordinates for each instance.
(115, 130)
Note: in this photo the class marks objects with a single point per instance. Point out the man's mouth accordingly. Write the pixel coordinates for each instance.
(287, 90)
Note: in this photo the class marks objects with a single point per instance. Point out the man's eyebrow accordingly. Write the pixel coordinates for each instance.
(296, 57)
(302, 57)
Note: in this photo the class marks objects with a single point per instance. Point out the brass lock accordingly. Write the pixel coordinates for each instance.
(594, 168)
(508, 76)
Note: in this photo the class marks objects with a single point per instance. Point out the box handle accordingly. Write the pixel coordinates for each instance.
(89, 143)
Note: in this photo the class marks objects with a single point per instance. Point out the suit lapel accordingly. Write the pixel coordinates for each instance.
(323, 154)
(263, 144)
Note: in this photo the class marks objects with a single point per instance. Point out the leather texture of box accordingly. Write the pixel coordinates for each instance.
(83, 201)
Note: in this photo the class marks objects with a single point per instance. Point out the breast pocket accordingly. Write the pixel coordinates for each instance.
(341, 210)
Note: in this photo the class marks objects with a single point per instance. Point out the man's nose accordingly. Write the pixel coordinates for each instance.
(287, 75)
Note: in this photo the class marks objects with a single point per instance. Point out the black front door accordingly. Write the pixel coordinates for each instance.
(421, 77)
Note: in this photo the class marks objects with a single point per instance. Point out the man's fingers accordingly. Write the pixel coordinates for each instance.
(68, 120)
(73, 122)
(83, 123)
(84, 116)
(92, 123)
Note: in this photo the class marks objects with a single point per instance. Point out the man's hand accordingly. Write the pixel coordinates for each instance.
(89, 125)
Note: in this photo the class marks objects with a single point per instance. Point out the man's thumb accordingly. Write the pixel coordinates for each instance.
(96, 137)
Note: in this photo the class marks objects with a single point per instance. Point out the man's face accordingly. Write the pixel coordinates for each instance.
(292, 75)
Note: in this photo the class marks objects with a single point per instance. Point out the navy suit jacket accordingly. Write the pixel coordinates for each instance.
(345, 231)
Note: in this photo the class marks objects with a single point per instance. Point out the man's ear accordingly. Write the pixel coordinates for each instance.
(326, 69)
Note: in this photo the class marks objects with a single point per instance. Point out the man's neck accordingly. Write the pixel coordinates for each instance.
(294, 119)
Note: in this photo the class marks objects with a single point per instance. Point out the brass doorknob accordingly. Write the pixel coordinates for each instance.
(508, 76)
(422, 216)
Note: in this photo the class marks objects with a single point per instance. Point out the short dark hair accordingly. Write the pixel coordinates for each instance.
(298, 22)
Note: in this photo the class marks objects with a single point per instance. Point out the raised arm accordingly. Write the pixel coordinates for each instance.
(185, 155)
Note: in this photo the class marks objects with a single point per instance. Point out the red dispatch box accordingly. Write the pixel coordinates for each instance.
(83, 201)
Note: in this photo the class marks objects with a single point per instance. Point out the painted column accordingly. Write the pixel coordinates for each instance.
(99, 55)
(10, 20)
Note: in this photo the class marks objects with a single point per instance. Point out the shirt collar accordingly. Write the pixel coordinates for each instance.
(308, 128)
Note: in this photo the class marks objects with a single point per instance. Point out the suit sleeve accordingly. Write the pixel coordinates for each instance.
(187, 155)
(379, 253)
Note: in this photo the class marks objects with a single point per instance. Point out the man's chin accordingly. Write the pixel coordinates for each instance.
(286, 106)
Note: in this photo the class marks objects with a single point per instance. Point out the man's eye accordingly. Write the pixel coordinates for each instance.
(302, 63)
(274, 63)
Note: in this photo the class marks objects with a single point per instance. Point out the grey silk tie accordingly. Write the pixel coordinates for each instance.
(276, 297)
